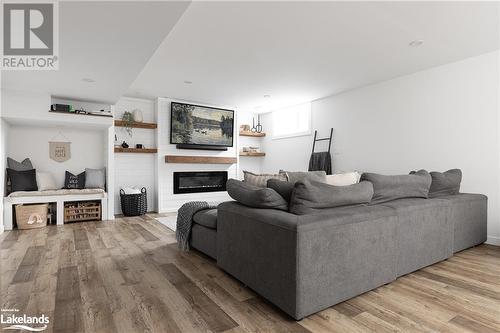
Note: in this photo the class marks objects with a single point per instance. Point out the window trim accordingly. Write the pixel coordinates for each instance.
(307, 132)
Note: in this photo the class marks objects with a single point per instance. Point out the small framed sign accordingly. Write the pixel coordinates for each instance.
(60, 151)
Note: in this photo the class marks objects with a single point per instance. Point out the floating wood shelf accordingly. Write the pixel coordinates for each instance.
(121, 123)
(136, 150)
(199, 159)
(83, 114)
(246, 153)
(255, 134)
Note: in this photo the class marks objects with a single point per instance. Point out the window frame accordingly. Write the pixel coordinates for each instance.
(307, 132)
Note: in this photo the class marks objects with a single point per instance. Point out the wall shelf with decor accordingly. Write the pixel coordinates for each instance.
(136, 150)
(121, 123)
(253, 134)
(252, 154)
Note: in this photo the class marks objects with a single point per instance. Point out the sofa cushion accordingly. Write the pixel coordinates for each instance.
(296, 176)
(260, 180)
(22, 180)
(206, 218)
(284, 188)
(308, 197)
(445, 183)
(388, 188)
(254, 196)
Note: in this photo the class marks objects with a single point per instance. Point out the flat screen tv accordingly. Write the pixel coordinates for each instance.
(201, 125)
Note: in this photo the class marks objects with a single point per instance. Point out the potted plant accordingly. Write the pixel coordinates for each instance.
(128, 120)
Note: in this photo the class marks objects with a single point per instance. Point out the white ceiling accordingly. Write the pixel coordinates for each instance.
(236, 52)
(109, 42)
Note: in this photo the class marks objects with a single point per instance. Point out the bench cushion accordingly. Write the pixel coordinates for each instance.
(206, 218)
(20, 194)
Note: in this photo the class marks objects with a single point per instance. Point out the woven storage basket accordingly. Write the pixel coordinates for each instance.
(134, 204)
(31, 216)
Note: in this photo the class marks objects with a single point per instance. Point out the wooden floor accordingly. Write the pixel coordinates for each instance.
(127, 276)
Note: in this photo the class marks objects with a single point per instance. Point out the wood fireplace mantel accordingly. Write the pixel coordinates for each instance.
(200, 159)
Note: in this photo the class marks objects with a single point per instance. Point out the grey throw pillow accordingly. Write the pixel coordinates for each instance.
(284, 188)
(95, 178)
(445, 183)
(300, 176)
(388, 188)
(260, 180)
(309, 197)
(254, 196)
(19, 166)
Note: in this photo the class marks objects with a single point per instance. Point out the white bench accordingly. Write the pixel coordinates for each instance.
(57, 196)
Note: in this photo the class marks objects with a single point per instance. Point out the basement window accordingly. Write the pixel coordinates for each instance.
(292, 121)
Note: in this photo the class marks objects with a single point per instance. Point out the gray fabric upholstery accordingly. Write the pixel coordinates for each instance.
(424, 234)
(284, 188)
(445, 183)
(304, 264)
(310, 196)
(206, 218)
(95, 178)
(204, 239)
(254, 196)
(388, 188)
(300, 176)
(260, 180)
(25, 165)
(469, 215)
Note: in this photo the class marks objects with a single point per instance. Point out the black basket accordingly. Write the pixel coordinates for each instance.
(134, 204)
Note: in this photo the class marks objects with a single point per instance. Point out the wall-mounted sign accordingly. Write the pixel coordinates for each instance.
(60, 151)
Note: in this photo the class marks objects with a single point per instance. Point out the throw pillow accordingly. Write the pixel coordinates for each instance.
(45, 181)
(260, 180)
(445, 183)
(309, 197)
(19, 166)
(72, 181)
(22, 180)
(388, 188)
(343, 179)
(300, 176)
(254, 196)
(284, 188)
(95, 178)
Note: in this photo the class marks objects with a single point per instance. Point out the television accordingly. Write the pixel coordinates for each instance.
(198, 125)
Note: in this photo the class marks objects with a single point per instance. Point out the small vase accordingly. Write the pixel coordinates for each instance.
(138, 116)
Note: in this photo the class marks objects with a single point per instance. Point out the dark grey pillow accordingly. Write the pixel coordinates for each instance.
(308, 197)
(388, 188)
(72, 181)
(254, 196)
(445, 183)
(19, 166)
(284, 188)
(260, 180)
(22, 180)
(300, 176)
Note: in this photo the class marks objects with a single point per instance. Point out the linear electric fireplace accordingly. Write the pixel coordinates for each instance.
(199, 181)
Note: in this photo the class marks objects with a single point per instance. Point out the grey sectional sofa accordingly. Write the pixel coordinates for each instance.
(306, 263)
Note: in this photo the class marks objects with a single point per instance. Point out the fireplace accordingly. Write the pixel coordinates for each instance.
(199, 181)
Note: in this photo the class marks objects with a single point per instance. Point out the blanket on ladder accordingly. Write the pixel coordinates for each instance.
(185, 221)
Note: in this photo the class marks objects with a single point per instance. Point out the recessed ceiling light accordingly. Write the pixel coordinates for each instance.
(89, 80)
(267, 96)
(188, 82)
(415, 43)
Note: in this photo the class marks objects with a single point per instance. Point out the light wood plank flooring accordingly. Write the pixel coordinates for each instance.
(127, 276)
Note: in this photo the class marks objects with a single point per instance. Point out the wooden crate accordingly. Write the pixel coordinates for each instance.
(79, 211)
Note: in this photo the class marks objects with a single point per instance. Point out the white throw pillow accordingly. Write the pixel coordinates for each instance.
(45, 181)
(343, 179)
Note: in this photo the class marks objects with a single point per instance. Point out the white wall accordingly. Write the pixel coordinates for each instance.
(442, 118)
(33, 142)
(136, 170)
(248, 163)
(168, 201)
(4, 128)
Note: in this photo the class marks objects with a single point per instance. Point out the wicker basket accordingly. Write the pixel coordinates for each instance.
(134, 204)
(31, 216)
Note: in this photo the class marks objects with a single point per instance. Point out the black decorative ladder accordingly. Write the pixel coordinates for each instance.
(322, 139)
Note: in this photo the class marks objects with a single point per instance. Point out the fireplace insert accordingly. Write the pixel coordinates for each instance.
(199, 181)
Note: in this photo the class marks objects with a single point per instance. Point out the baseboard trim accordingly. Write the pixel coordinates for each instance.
(492, 240)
